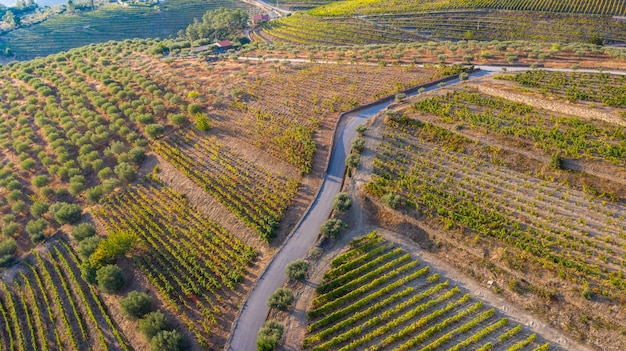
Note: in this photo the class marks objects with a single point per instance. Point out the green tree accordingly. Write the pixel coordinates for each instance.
(201, 122)
(152, 323)
(39, 208)
(35, 229)
(297, 270)
(331, 228)
(342, 202)
(83, 231)
(116, 244)
(281, 299)
(110, 278)
(136, 304)
(65, 213)
(88, 246)
(8, 248)
(125, 172)
(168, 340)
(269, 336)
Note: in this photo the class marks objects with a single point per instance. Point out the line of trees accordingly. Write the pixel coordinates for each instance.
(217, 24)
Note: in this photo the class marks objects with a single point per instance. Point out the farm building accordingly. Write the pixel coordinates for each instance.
(257, 19)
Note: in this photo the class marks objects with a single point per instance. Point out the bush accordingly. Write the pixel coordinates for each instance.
(464, 76)
(296, 270)
(154, 130)
(352, 161)
(88, 271)
(556, 161)
(269, 336)
(8, 247)
(114, 245)
(194, 108)
(137, 155)
(136, 304)
(152, 323)
(281, 299)
(39, 208)
(358, 144)
(110, 278)
(94, 194)
(125, 172)
(342, 202)
(40, 181)
(392, 200)
(168, 340)
(65, 213)
(10, 229)
(361, 128)
(331, 228)
(35, 229)
(88, 246)
(177, 119)
(201, 122)
(83, 231)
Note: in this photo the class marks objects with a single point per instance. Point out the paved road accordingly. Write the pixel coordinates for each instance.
(255, 308)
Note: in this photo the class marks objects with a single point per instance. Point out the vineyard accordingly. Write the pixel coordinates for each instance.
(48, 306)
(192, 261)
(445, 25)
(256, 196)
(608, 89)
(555, 134)
(111, 22)
(369, 7)
(376, 297)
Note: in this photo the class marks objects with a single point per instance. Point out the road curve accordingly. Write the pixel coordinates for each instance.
(255, 309)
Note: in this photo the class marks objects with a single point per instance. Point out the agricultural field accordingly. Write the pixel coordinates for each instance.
(573, 55)
(48, 306)
(381, 21)
(112, 22)
(493, 175)
(369, 7)
(76, 131)
(375, 296)
(194, 263)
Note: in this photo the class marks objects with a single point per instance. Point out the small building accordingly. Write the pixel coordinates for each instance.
(224, 45)
(257, 19)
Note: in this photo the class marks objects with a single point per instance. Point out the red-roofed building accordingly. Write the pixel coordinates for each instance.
(260, 19)
(224, 44)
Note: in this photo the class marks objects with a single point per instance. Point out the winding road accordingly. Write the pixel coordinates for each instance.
(254, 310)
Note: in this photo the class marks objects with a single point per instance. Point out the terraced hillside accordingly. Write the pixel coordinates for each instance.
(376, 296)
(231, 141)
(380, 21)
(112, 22)
(539, 194)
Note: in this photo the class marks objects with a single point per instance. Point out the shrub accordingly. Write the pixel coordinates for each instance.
(152, 323)
(281, 299)
(556, 161)
(39, 208)
(10, 229)
(194, 108)
(105, 173)
(269, 336)
(125, 172)
(114, 245)
(88, 246)
(8, 247)
(464, 76)
(137, 155)
(392, 200)
(40, 181)
(352, 161)
(168, 340)
(136, 304)
(358, 144)
(296, 270)
(361, 128)
(94, 194)
(35, 229)
(83, 231)
(177, 119)
(342, 202)
(331, 228)
(154, 130)
(64, 213)
(88, 271)
(201, 121)
(110, 278)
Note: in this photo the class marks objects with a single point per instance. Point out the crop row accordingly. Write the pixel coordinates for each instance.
(193, 262)
(407, 310)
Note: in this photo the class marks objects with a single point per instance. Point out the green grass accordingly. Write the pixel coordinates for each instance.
(111, 22)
